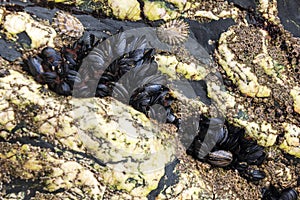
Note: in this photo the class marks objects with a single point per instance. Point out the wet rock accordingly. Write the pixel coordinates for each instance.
(288, 12)
(244, 3)
(40, 12)
(206, 32)
(105, 27)
(8, 51)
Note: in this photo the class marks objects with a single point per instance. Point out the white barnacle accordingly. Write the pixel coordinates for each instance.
(68, 25)
(173, 32)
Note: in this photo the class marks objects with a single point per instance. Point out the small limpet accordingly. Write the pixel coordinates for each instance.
(68, 25)
(173, 32)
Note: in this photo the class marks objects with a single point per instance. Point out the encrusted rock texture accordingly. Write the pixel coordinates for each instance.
(57, 147)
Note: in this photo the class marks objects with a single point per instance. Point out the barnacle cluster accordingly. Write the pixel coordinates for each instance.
(211, 10)
(266, 85)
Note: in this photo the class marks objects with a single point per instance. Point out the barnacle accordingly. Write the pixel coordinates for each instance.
(173, 32)
(68, 25)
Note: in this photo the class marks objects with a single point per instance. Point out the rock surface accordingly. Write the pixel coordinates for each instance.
(54, 147)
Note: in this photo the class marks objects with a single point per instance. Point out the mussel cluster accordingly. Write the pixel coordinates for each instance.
(224, 145)
(124, 67)
(59, 69)
(272, 193)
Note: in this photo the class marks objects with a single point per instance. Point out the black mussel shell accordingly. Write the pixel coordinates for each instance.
(253, 174)
(270, 193)
(220, 158)
(35, 65)
(63, 89)
(47, 77)
(73, 77)
(251, 152)
(200, 89)
(51, 58)
(103, 90)
(154, 101)
(198, 149)
(288, 194)
(70, 56)
(232, 143)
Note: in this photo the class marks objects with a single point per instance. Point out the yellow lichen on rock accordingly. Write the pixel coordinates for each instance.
(206, 14)
(132, 182)
(175, 69)
(2, 11)
(224, 101)
(295, 93)
(71, 174)
(239, 73)
(39, 33)
(125, 9)
(267, 63)
(291, 143)
(134, 147)
(16, 22)
(263, 133)
(23, 163)
(269, 11)
(156, 11)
